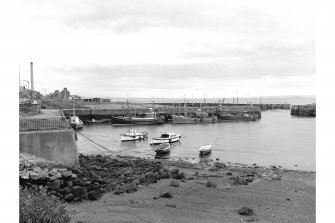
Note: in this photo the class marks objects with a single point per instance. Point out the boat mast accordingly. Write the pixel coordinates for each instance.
(236, 98)
(185, 107)
(73, 108)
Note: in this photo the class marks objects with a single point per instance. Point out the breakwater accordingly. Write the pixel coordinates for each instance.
(303, 110)
(165, 110)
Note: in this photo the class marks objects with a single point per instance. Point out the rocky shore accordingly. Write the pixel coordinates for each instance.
(130, 189)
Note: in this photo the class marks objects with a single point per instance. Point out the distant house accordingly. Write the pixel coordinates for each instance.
(106, 100)
(87, 99)
(64, 94)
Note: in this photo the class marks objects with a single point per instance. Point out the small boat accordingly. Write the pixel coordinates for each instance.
(166, 138)
(163, 148)
(94, 121)
(133, 135)
(205, 149)
(76, 123)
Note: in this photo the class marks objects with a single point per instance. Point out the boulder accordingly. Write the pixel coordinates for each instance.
(69, 198)
(245, 211)
(24, 174)
(118, 192)
(37, 169)
(34, 176)
(74, 176)
(79, 192)
(69, 184)
(67, 173)
(211, 184)
(166, 195)
(53, 172)
(56, 176)
(174, 183)
(94, 195)
(54, 185)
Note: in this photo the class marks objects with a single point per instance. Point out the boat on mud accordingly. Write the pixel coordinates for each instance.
(166, 138)
(205, 149)
(133, 135)
(149, 118)
(76, 123)
(163, 148)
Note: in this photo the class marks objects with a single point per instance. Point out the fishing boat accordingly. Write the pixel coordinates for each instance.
(163, 148)
(205, 149)
(244, 116)
(197, 118)
(94, 121)
(166, 138)
(76, 123)
(133, 135)
(149, 118)
(74, 120)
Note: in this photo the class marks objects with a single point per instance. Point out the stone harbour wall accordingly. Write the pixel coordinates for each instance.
(54, 145)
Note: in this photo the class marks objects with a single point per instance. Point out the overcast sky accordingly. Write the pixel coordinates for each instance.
(169, 48)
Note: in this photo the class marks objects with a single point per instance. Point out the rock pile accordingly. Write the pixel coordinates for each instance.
(96, 175)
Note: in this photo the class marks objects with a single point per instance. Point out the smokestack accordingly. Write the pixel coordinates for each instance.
(31, 76)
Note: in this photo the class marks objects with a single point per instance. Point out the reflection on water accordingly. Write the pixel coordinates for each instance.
(276, 139)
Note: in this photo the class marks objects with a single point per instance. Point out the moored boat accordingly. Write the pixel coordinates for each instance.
(244, 116)
(94, 121)
(166, 138)
(76, 123)
(163, 148)
(197, 118)
(149, 119)
(133, 135)
(205, 149)
(178, 119)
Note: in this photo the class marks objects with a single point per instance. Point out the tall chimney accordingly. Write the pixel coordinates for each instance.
(31, 76)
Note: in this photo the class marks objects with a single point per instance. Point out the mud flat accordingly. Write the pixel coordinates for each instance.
(209, 191)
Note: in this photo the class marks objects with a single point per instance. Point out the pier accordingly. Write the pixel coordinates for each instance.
(304, 110)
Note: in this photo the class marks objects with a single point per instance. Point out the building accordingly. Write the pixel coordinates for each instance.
(64, 94)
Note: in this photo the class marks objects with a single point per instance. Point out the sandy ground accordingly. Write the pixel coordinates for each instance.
(290, 199)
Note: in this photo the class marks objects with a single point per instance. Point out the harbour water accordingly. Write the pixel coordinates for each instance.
(276, 139)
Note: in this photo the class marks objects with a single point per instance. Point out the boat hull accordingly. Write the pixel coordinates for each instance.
(163, 149)
(222, 118)
(139, 136)
(165, 140)
(136, 121)
(188, 120)
(205, 149)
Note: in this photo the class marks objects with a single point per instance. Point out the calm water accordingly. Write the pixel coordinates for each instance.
(276, 139)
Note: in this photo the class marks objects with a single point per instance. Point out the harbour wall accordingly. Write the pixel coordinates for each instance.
(54, 145)
(303, 110)
(88, 114)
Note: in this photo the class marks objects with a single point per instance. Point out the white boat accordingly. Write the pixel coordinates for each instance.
(166, 138)
(133, 135)
(163, 148)
(76, 123)
(205, 149)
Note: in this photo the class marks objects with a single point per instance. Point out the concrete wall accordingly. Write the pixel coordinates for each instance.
(303, 110)
(54, 145)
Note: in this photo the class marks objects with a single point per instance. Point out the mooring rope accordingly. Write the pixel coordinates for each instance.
(96, 143)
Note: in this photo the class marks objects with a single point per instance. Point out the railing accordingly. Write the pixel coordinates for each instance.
(43, 123)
